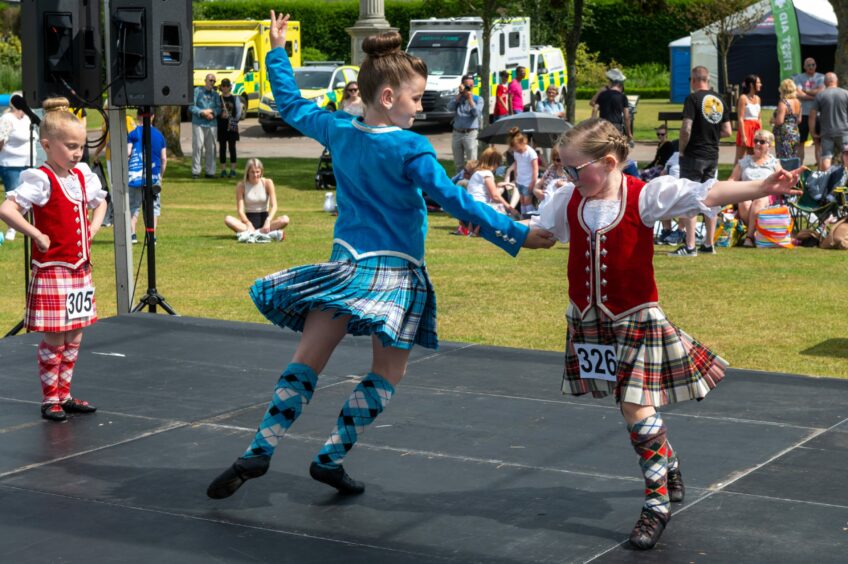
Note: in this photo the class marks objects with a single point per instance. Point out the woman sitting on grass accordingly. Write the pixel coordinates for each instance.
(256, 202)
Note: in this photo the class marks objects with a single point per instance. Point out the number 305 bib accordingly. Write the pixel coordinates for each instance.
(80, 303)
(596, 361)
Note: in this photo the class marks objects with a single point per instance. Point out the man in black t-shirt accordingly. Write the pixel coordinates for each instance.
(611, 103)
(706, 120)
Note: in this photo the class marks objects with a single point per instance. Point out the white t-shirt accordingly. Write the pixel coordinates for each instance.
(524, 166)
(477, 186)
(14, 133)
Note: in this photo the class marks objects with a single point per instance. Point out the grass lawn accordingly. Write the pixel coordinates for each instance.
(775, 310)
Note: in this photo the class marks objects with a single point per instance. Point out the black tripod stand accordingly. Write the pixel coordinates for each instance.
(152, 298)
(33, 122)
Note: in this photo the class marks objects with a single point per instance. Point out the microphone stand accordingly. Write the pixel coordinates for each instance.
(20, 325)
(152, 298)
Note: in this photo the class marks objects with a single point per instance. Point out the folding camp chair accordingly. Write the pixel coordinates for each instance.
(811, 213)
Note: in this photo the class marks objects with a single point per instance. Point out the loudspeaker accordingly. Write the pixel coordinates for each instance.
(61, 50)
(151, 53)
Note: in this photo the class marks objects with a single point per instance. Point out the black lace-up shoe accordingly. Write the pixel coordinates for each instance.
(232, 478)
(337, 478)
(648, 529)
(676, 489)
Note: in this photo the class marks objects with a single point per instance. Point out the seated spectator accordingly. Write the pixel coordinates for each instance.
(482, 186)
(755, 167)
(553, 178)
(665, 149)
(256, 202)
(820, 184)
(462, 177)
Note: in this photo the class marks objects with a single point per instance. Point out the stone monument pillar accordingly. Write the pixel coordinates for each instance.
(371, 21)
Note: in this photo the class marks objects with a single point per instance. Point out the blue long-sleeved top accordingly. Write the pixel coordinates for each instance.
(205, 100)
(380, 174)
(464, 115)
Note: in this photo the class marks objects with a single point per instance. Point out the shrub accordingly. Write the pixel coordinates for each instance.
(313, 54)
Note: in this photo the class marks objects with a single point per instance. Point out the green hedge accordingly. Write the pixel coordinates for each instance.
(635, 32)
(653, 93)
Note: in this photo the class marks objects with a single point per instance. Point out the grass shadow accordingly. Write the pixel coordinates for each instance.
(833, 348)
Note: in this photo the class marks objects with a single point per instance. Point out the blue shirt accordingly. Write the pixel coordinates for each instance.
(549, 107)
(205, 100)
(380, 174)
(464, 116)
(135, 163)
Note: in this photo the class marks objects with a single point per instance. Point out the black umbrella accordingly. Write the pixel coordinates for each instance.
(544, 128)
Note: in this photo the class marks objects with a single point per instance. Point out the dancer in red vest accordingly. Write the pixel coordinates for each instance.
(60, 297)
(619, 341)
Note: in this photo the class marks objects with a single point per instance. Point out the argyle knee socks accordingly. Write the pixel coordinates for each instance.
(673, 461)
(66, 370)
(49, 361)
(365, 403)
(294, 388)
(648, 437)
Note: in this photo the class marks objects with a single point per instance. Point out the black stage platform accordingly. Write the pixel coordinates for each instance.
(478, 458)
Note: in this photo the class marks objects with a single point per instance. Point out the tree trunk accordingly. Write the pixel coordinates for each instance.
(571, 39)
(486, 70)
(168, 122)
(840, 7)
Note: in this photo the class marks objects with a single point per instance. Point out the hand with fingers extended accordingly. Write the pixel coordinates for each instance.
(783, 182)
(279, 27)
(539, 239)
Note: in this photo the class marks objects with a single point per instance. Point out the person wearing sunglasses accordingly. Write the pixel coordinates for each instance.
(351, 102)
(619, 342)
(553, 177)
(204, 127)
(755, 167)
(228, 130)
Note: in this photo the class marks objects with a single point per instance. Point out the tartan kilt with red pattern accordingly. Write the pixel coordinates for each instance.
(48, 290)
(658, 363)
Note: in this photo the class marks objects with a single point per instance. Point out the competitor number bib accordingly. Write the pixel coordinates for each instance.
(80, 303)
(596, 361)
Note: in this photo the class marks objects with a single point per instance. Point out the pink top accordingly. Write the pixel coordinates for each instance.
(516, 96)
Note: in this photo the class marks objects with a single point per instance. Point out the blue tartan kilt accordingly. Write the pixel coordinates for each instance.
(385, 296)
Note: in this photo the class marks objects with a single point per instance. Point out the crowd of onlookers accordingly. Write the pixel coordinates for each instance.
(811, 106)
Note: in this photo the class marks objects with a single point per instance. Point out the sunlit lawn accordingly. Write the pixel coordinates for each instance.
(775, 310)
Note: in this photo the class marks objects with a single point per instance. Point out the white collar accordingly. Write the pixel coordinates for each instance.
(378, 129)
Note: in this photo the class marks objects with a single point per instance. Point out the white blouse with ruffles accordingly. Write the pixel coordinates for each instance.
(664, 197)
(34, 189)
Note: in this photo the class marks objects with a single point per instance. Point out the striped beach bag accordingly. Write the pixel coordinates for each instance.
(774, 228)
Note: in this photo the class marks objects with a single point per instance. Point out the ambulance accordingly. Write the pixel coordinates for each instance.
(453, 47)
(547, 68)
(236, 49)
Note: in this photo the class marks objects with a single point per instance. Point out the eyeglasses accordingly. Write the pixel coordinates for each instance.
(573, 172)
(810, 65)
(761, 142)
(353, 89)
(210, 80)
(661, 133)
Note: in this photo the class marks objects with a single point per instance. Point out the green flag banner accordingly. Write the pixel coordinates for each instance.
(788, 40)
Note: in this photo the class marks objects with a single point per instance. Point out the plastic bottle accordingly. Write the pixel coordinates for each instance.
(330, 202)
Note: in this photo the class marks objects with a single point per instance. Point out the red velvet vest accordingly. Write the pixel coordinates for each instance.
(65, 221)
(617, 273)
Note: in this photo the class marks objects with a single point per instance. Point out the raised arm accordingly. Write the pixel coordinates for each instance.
(303, 115)
(426, 172)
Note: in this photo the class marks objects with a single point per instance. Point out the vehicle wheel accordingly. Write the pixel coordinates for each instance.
(331, 107)
(564, 95)
(243, 105)
(268, 128)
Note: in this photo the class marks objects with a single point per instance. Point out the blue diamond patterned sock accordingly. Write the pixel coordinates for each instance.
(365, 403)
(294, 388)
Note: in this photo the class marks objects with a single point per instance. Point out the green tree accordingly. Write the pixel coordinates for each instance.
(569, 14)
(840, 7)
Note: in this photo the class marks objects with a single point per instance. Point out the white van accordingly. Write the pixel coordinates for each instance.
(453, 47)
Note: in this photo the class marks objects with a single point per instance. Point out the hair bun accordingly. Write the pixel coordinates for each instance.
(513, 131)
(382, 44)
(56, 105)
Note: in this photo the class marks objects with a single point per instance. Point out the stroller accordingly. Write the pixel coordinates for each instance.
(324, 176)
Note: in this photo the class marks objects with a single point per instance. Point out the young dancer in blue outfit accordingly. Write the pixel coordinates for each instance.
(375, 282)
